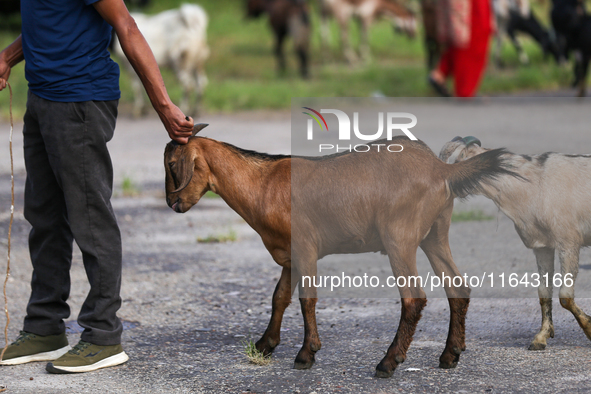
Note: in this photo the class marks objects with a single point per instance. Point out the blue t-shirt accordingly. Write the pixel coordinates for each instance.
(65, 43)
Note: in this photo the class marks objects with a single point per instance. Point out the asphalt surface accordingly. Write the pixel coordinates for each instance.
(188, 307)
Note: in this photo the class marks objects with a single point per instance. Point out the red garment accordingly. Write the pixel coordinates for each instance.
(467, 64)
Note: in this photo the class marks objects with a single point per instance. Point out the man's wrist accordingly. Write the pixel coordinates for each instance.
(11, 59)
(163, 106)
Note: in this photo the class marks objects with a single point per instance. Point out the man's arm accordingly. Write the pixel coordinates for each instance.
(142, 59)
(9, 57)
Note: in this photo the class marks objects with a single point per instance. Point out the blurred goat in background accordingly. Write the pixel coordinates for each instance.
(573, 29)
(366, 11)
(515, 16)
(178, 39)
(287, 18)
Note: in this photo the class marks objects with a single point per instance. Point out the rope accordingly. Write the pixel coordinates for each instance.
(9, 231)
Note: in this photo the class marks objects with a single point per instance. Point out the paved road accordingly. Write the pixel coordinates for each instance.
(189, 306)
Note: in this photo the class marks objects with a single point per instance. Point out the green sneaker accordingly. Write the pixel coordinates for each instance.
(30, 347)
(86, 357)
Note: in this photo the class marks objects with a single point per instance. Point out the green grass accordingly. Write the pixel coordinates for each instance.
(470, 216)
(230, 236)
(210, 194)
(254, 355)
(129, 188)
(242, 71)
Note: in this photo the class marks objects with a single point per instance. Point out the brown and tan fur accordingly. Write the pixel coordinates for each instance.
(367, 11)
(287, 18)
(389, 203)
(550, 205)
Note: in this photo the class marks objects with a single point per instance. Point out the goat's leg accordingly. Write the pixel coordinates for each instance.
(413, 302)
(279, 54)
(521, 54)
(409, 318)
(545, 260)
(583, 75)
(305, 358)
(281, 299)
(300, 33)
(436, 248)
(577, 69)
(456, 335)
(189, 83)
(302, 53)
(499, 45)
(569, 262)
(202, 81)
(324, 33)
(347, 49)
(305, 268)
(364, 49)
(138, 93)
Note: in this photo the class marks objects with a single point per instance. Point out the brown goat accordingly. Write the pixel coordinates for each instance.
(387, 202)
(287, 18)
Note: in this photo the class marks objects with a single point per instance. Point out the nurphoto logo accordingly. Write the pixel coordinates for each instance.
(392, 128)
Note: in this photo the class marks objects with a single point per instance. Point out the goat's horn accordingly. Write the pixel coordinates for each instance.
(198, 127)
(471, 140)
(457, 138)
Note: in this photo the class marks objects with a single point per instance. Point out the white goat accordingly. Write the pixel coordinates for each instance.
(367, 11)
(550, 206)
(178, 39)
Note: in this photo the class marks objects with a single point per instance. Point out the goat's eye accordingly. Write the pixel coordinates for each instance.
(171, 165)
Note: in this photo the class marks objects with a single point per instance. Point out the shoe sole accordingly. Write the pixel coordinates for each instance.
(112, 361)
(439, 88)
(46, 356)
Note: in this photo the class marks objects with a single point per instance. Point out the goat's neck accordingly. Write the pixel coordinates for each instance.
(513, 195)
(236, 180)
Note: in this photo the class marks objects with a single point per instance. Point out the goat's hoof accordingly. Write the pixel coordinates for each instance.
(449, 360)
(536, 346)
(384, 372)
(300, 364)
(451, 365)
(264, 347)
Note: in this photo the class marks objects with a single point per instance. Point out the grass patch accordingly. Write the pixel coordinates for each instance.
(219, 238)
(470, 216)
(254, 355)
(210, 194)
(129, 188)
(242, 68)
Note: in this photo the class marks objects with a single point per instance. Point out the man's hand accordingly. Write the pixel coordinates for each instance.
(4, 74)
(178, 126)
(140, 56)
(10, 56)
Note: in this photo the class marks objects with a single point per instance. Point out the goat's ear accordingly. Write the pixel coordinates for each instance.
(184, 171)
(198, 127)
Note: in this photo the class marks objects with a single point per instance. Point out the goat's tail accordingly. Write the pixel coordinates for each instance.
(467, 177)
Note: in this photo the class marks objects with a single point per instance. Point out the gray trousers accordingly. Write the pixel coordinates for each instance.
(67, 197)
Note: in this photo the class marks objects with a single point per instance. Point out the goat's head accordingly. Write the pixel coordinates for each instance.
(460, 149)
(187, 173)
